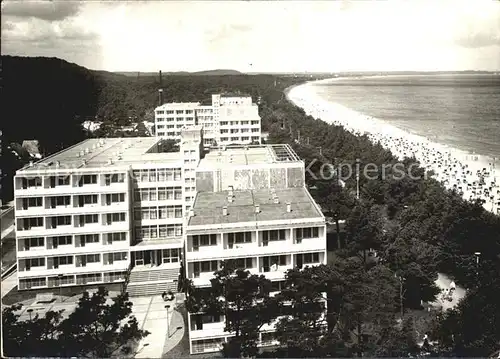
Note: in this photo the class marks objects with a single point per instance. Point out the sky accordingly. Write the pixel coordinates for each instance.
(257, 36)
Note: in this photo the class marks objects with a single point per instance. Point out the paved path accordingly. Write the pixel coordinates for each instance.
(152, 316)
(150, 312)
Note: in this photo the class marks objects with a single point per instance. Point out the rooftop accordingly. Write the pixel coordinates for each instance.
(96, 152)
(208, 206)
(178, 105)
(248, 155)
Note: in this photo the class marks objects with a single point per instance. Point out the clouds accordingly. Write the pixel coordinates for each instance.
(49, 28)
(42, 9)
(272, 36)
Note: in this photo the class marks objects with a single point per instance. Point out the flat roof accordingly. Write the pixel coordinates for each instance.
(178, 105)
(219, 157)
(208, 206)
(96, 152)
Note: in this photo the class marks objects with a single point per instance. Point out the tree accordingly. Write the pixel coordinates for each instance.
(335, 202)
(35, 337)
(304, 321)
(243, 299)
(100, 329)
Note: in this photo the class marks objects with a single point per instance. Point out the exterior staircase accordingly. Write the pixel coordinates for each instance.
(154, 281)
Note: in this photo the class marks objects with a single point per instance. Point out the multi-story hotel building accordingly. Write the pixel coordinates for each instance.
(104, 208)
(252, 207)
(229, 119)
(90, 213)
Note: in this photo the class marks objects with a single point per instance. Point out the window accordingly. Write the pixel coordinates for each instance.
(240, 237)
(115, 217)
(62, 240)
(304, 233)
(147, 232)
(33, 242)
(170, 255)
(58, 281)
(28, 223)
(90, 238)
(66, 260)
(243, 263)
(145, 194)
(204, 267)
(204, 240)
(159, 112)
(93, 258)
(114, 178)
(87, 199)
(32, 202)
(60, 221)
(120, 256)
(32, 182)
(308, 258)
(87, 180)
(274, 235)
(145, 213)
(272, 262)
(114, 276)
(169, 112)
(255, 122)
(178, 112)
(88, 278)
(88, 219)
(35, 262)
(115, 237)
(32, 283)
(115, 198)
(60, 201)
(59, 181)
(203, 345)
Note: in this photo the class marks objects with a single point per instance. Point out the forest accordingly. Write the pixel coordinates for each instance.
(416, 227)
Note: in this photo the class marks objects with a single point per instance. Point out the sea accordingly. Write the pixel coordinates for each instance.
(460, 111)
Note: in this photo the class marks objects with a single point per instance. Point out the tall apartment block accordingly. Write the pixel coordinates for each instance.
(92, 212)
(252, 207)
(107, 207)
(230, 119)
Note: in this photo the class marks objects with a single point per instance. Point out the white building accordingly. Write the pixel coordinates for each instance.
(92, 212)
(230, 119)
(256, 211)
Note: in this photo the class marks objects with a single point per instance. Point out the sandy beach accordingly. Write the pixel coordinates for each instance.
(474, 176)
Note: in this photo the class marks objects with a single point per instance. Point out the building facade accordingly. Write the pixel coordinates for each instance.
(95, 211)
(229, 119)
(251, 207)
(107, 209)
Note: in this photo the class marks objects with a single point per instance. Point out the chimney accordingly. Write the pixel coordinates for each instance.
(191, 212)
(276, 200)
(160, 97)
(31, 163)
(230, 199)
(82, 153)
(84, 163)
(288, 207)
(257, 208)
(58, 164)
(160, 79)
(224, 211)
(87, 150)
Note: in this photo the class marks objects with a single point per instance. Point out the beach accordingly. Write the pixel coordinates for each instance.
(472, 175)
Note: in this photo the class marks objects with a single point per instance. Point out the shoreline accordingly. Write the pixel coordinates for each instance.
(474, 176)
